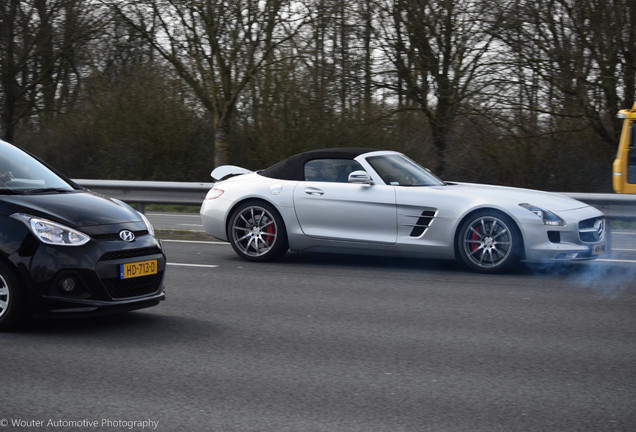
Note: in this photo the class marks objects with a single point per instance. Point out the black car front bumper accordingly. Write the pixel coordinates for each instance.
(94, 272)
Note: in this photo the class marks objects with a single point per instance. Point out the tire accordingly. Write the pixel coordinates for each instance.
(489, 242)
(12, 306)
(257, 232)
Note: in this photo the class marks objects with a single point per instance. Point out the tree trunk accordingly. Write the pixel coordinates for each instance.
(440, 136)
(220, 146)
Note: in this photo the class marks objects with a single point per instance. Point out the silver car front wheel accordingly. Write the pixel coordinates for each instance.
(489, 242)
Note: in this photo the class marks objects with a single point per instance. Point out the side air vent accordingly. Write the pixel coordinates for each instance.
(423, 222)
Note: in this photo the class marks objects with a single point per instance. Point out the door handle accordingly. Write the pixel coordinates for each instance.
(313, 191)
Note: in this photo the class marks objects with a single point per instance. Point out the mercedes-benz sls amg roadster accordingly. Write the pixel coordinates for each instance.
(365, 201)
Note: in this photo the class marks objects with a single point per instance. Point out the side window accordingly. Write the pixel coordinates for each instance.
(631, 156)
(330, 170)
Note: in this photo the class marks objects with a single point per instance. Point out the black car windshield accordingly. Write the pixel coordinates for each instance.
(399, 170)
(20, 173)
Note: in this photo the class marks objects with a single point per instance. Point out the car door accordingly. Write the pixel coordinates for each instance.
(329, 207)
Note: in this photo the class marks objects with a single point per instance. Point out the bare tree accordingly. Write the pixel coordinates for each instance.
(581, 55)
(42, 48)
(439, 49)
(217, 47)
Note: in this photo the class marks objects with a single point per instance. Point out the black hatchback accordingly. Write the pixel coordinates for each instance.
(66, 251)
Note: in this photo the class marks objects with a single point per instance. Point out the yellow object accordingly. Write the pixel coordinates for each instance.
(624, 167)
(136, 269)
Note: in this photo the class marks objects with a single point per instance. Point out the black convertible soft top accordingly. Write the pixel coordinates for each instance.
(293, 167)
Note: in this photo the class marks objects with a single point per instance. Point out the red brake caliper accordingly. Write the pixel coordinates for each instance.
(270, 230)
(474, 237)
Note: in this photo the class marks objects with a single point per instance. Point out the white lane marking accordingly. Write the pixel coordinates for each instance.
(192, 265)
(195, 241)
(172, 215)
(617, 260)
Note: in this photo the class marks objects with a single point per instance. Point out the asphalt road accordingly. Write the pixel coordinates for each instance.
(338, 344)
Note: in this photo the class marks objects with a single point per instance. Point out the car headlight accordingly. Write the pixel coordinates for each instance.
(52, 233)
(547, 216)
(151, 229)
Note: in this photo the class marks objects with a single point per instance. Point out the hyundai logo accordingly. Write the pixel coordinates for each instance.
(126, 235)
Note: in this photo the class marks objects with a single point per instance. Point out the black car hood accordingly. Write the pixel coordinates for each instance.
(75, 209)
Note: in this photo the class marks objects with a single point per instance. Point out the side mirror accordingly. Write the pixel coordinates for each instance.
(360, 177)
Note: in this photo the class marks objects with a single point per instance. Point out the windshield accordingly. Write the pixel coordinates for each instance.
(22, 174)
(399, 170)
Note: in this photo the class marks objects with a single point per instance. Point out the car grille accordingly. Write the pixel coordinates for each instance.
(592, 230)
(135, 287)
(131, 253)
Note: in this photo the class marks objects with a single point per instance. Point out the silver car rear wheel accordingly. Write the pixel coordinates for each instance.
(257, 232)
(489, 242)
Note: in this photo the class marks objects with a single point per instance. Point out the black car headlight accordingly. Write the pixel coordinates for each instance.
(547, 216)
(52, 233)
(149, 227)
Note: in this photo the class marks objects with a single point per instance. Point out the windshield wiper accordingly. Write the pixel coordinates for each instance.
(46, 190)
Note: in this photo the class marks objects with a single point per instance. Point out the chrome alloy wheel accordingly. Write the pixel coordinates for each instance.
(254, 231)
(487, 242)
(12, 298)
(5, 296)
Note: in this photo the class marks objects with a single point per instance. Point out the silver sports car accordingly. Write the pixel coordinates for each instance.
(365, 201)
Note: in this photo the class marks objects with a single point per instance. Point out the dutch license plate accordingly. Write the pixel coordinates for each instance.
(136, 269)
(599, 249)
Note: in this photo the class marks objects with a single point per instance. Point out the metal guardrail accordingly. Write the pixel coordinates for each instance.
(615, 206)
(150, 192)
